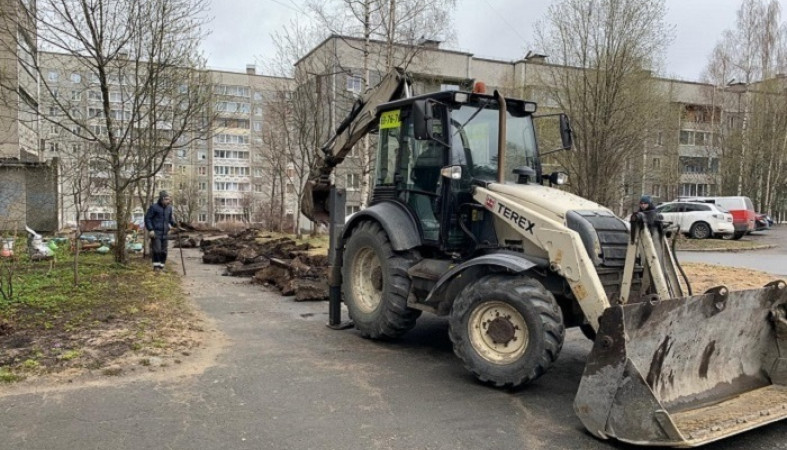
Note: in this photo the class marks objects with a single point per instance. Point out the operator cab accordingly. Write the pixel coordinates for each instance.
(434, 148)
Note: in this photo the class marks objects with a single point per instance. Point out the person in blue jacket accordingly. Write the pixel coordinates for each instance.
(158, 220)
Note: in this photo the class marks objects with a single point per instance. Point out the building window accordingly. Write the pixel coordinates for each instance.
(353, 182)
(290, 188)
(257, 188)
(76, 78)
(257, 126)
(180, 152)
(686, 137)
(202, 154)
(76, 95)
(230, 154)
(660, 138)
(236, 91)
(258, 172)
(354, 83)
(257, 96)
(231, 139)
(203, 217)
(53, 75)
(351, 209)
(54, 147)
(233, 107)
(231, 170)
(202, 170)
(258, 111)
(203, 186)
(231, 186)
(656, 163)
(101, 216)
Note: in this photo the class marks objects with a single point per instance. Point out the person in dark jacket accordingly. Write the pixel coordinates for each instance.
(158, 219)
(646, 203)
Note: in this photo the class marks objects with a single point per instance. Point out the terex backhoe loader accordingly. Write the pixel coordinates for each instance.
(462, 224)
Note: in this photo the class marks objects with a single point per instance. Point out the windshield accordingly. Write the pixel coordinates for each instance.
(474, 130)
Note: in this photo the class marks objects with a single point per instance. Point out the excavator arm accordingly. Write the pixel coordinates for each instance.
(360, 121)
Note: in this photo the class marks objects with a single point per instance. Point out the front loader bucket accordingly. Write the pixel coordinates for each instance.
(688, 371)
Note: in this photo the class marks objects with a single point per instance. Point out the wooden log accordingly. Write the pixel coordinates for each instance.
(246, 270)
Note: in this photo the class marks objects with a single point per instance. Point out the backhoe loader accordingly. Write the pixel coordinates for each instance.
(463, 223)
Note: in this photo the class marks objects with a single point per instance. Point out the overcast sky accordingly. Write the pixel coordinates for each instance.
(499, 29)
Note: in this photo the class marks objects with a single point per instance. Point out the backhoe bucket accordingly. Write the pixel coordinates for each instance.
(688, 371)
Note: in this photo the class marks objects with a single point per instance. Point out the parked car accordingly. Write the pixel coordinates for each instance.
(762, 222)
(741, 208)
(698, 220)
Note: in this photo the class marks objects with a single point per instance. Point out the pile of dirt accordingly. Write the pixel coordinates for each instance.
(706, 276)
(280, 262)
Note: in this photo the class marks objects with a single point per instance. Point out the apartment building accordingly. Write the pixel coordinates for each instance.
(27, 180)
(223, 176)
(684, 158)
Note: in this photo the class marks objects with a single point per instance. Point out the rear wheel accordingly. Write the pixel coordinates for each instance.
(700, 230)
(508, 330)
(735, 236)
(375, 284)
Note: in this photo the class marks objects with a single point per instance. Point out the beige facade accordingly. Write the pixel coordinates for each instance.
(27, 181)
(682, 159)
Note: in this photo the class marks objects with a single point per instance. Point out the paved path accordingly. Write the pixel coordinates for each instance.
(280, 379)
(772, 260)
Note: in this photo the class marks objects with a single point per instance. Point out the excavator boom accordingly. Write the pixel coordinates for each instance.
(360, 121)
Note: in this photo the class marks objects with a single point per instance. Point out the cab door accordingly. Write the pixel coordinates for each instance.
(415, 170)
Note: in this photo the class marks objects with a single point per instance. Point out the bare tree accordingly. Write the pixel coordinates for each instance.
(139, 64)
(299, 112)
(278, 137)
(391, 34)
(186, 196)
(605, 51)
(78, 189)
(746, 64)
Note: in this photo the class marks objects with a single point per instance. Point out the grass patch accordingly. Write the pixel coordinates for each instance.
(745, 243)
(115, 311)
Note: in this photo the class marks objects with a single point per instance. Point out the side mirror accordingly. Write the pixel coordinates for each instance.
(566, 135)
(558, 178)
(423, 119)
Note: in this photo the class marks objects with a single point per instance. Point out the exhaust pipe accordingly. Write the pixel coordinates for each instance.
(501, 137)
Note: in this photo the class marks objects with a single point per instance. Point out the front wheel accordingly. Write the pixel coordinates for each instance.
(375, 284)
(508, 330)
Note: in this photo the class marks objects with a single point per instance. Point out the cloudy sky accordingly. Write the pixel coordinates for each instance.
(499, 29)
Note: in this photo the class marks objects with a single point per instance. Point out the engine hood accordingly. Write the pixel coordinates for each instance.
(549, 201)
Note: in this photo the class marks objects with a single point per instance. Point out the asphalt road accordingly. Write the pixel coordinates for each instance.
(278, 378)
(772, 260)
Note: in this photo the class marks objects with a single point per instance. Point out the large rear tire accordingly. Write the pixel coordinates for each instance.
(508, 330)
(375, 284)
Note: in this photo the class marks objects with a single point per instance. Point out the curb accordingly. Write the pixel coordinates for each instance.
(726, 250)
